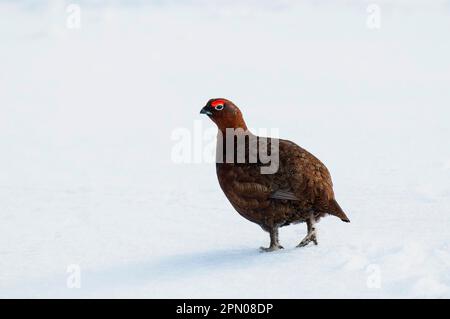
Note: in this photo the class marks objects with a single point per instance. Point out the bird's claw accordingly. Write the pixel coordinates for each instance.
(271, 248)
(303, 243)
(307, 240)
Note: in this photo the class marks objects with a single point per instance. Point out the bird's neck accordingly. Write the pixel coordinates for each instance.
(231, 132)
(228, 122)
(231, 141)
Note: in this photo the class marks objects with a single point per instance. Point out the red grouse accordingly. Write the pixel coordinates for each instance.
(298, 189)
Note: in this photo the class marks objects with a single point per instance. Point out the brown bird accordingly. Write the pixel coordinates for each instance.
(298, 189)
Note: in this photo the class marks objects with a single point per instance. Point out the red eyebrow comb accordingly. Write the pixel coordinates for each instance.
(217, 102)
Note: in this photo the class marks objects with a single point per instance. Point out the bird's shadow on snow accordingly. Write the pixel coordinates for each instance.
(151, 272)
(181, 266)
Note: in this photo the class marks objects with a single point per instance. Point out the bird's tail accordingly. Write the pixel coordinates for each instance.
(337, 211)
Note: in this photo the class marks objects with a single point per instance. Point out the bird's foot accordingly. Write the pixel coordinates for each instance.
(309, 238)
(271, 248)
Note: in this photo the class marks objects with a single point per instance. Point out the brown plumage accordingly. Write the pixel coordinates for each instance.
(299, 190)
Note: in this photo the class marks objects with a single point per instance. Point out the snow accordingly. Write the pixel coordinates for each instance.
(87, 119)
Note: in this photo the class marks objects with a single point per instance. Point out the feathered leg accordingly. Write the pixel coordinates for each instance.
(274, 243)
(312, 234)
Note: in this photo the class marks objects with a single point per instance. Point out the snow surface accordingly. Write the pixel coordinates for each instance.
(87, 119)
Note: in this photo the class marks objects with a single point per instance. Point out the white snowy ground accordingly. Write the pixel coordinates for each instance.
(87, 176)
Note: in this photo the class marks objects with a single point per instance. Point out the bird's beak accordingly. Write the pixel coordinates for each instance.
(205, 111)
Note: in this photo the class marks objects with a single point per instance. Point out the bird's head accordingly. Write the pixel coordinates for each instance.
(224, 113)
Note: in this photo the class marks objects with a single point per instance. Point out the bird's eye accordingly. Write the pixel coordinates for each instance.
(219, 107)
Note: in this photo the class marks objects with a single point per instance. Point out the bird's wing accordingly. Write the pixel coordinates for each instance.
(284, 194)
(248, 195)
(301, 177)
(251, 189)
(308, 177)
